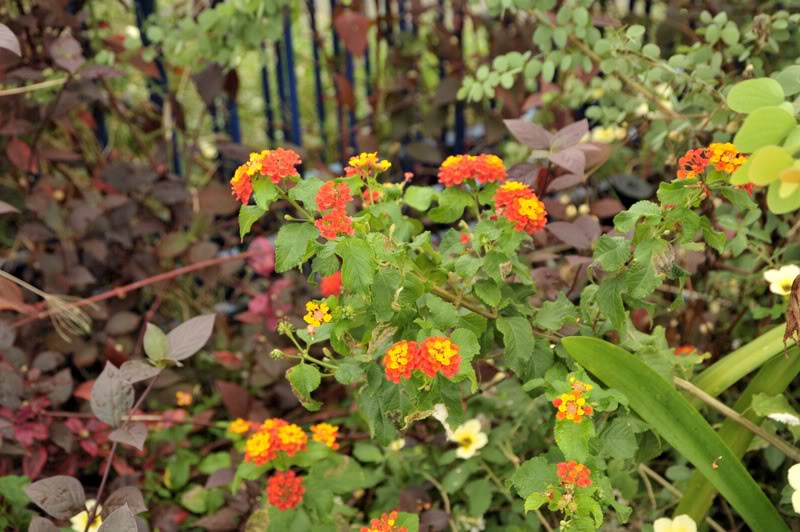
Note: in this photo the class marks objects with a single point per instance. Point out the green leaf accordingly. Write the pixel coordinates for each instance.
(517, 339)
(609, 301)
(12, 489)
(642, 279)
(618, 440)
(555, 314)
(291, 245)
(305, 191)
(358, 268)
(626, 220)
(612, 252)
(419, 198)
(479, 496)
(214, 462)
(739, 198)
(156, 345)
(789, 78)
(367, 452)
(452, 203)
(764, 126)
(488, 292)
(534, 501)
(444, 315)
(304, 379)
(767, 163)
(264, 192)
(674, 419)
(349, 371)
(535, 475)
(573, 438)
(783, 197)
(749, 95)
(248, 215)
(635, 31)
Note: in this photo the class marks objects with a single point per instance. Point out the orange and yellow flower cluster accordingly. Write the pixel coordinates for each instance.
(385, 523)
(366, 164)
(317, 314)
(333, 198)
(275, 435)
(516, 202)
(574, 474)
(435, 354)
(275, 164)
(484, 168)
(573, 406)
(722, 156)
(285, 490)
(326, 434)
(331, 285)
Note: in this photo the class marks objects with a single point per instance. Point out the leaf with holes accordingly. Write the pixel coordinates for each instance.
(112, 396)
(60, 496)
(189, 337)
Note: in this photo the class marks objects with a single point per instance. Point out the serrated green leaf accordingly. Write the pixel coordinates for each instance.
(264, 192)
(291, 245)
(304, 379)
(555, 314)
(518, 341)
(305, 191)
(419, 198)
(533, 476)
(609, 301)
(358, 266)
(248, 215)
(612, 252)
(573, 438)
(452, 203)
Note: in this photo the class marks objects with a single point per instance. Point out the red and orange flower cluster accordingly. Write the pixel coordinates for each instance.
(518, 203)
(274, 164)
(385, 523)
(435, 354)
(574, 474)
(573, 406)
(722, 156)
(333, 198)
(484, 168)
(285, 490)
(277, 435)
(331, 285)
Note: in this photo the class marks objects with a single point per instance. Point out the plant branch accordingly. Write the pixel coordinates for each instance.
(787, 449)
(33, 87)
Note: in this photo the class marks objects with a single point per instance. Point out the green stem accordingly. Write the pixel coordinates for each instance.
(296, 205)
(730, 369)
(773, 378)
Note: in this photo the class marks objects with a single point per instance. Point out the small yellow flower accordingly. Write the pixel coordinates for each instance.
(682, 523)
(326, 434)
(780, 281)
(469, 439)
(79, 521)
(369, 161)
(607, 135)
(317, 314)
(397, 444)
(239, 426)
(183, 398)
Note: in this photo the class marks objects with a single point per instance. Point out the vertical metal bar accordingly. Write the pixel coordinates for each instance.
(267, 94)
(234, 128)
(315, 44)
(282, 107)
(350, 74)
(291, 79)
(339, 113)
(401, 15)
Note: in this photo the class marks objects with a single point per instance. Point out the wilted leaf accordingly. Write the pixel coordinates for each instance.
(11, 296)
(352, 27)
(133, 434)
(122, 323)
(9, 41)
(120, 520)
(129, 495)
(529, 134)
(189, 337)
(793, 314)
(60, 496)
(580, 234)
(112, 396)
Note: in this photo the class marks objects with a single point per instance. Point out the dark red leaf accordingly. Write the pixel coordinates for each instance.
(352, 27)
(19, 153)
(66, 53)
(235, 398)
(34, 462)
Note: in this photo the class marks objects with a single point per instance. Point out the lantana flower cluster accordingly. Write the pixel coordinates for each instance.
(574, 474)
(723, 157)
(317, 314)
(434, 354)
(285, 490)
(332, 200)
(366, 165)
(573, 406)
(484, 168)
(384, 523)
(277, 435)
(516, 202)
(276, 165)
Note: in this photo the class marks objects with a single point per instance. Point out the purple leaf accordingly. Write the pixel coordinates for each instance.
(112, 396)
(66, 53)
(590, 227)
(120, 520)
(5, 207)
(129, 495)
(572, 159)
(223, 519)
(569, 233)
(564, 181)
(188, 338)
(133, 434)
(60, 496)
(135, 371)
(530, 134)
(40, 524)
(9, 41)
(570, 135)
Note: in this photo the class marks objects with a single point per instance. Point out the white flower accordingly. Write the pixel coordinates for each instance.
(682, 523)
(79, 521)
(785, 417)
(440, 414)
(469, 439)
(794, 477)
(796, 501)
(398, 444)
(780, 281)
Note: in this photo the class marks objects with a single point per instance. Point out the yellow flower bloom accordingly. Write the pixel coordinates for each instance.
(79, 521)
(780, 281)
(326, 434)
(469, 439)
(682, 523)
(183, 398)
(317, 314)
(369, 161)
(239, 426)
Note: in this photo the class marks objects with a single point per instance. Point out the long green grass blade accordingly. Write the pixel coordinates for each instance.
(677, 422)
(772, 378)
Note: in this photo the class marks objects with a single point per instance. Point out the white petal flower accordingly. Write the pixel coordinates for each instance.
(794, 476)
(440, 414)
(796, 501)
(682, 523)
(79, 521)
(469, 439)
(785, 417)
(398, 444)
(780, 280)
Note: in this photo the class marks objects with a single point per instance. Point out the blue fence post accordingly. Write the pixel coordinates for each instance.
(281, 77)
(339, 112)
(350, 75)
(315, 44)
(401, 15)
(143, 9)
(291, 79)
(460, 119)
(267, 94)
